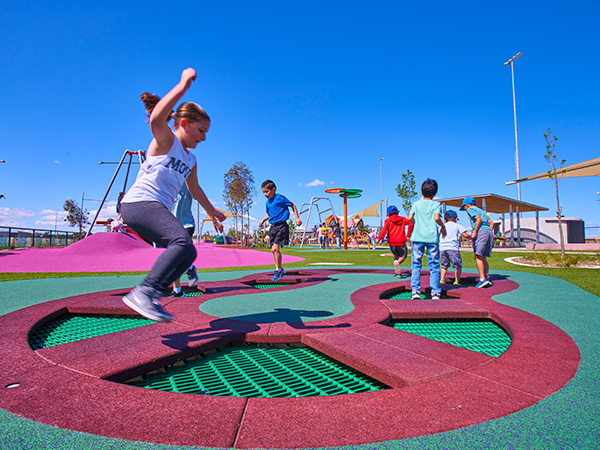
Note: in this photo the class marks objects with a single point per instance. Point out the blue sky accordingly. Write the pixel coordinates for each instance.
(310, 94)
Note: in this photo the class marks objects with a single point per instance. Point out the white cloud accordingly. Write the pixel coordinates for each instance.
(12, 217)
(105, 213)
(56, 161)
(16, 213)
(315, 182)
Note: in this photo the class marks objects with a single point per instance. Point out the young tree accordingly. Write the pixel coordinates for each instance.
(292, 226)
(550, 157)
(238, 192)
(76, 215)
(407, 190)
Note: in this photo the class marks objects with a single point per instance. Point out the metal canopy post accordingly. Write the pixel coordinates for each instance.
(512, 233)
(518, 226)
(537, 227)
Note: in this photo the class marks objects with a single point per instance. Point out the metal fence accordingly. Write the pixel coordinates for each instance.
(591, 232)
(13, 237)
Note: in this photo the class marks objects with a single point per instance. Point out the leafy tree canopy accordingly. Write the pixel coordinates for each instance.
(407, 190)
(75, 215)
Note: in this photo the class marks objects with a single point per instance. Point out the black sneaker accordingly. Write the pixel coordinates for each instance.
(192, 276)
(177, 294)
(147, 305)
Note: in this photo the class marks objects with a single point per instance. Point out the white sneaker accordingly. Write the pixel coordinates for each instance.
(415, 295)
(435, 296)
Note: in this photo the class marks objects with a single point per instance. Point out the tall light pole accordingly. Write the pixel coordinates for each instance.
(512, 69)
(380, 195)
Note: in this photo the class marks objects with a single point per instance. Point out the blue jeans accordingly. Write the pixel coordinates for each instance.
(433, 261)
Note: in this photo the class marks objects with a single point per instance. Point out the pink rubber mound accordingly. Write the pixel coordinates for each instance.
(119, 252)
(99, 242)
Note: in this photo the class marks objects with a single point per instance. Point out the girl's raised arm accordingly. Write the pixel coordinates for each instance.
(160, 114)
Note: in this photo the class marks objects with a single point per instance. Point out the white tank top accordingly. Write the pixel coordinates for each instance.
(160, 177)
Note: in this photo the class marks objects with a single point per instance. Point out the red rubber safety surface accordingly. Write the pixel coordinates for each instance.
(435, 387)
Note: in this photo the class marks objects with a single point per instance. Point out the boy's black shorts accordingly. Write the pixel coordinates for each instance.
(279, 234)
(399, 251)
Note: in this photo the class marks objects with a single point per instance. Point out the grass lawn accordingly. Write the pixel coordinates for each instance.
(588, 279)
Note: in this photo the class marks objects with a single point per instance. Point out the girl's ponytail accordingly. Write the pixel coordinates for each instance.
(187, 110)
(150, 101)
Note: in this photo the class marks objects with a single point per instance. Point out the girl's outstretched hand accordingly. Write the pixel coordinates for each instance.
(218, 225)
(188, 75)
(219, 215)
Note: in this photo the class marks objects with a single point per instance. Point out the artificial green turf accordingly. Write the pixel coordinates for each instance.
(587, 279)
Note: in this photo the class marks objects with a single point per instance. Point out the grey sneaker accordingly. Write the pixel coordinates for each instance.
(147, 305)
(192, 276)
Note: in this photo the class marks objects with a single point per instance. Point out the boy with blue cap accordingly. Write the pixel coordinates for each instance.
(482, 239)
(450, 246)
(395, 228)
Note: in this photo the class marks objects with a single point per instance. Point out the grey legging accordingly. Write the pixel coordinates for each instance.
(155, 222)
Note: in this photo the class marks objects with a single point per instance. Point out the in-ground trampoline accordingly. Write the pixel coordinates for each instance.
(325, 357)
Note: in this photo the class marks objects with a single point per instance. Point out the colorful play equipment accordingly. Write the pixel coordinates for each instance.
(345, 194)
(308, 207)
(222, 239)
(141, 157)
(356, 239)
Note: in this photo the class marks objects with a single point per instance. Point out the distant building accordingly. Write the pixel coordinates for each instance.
(573, 230)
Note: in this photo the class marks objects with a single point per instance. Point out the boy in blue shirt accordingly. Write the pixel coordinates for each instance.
(278, 214)
(482, 239)
(426, 215)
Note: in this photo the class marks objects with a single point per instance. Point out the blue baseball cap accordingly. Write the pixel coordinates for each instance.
(468, 201)
(451, 214)
(391, 210)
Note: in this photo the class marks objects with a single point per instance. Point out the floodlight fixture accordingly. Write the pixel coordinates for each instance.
(514, 58)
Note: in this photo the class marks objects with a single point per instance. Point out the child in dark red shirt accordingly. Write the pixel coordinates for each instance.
(395, 228)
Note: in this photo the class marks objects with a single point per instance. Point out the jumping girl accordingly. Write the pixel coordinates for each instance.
(147, 205)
